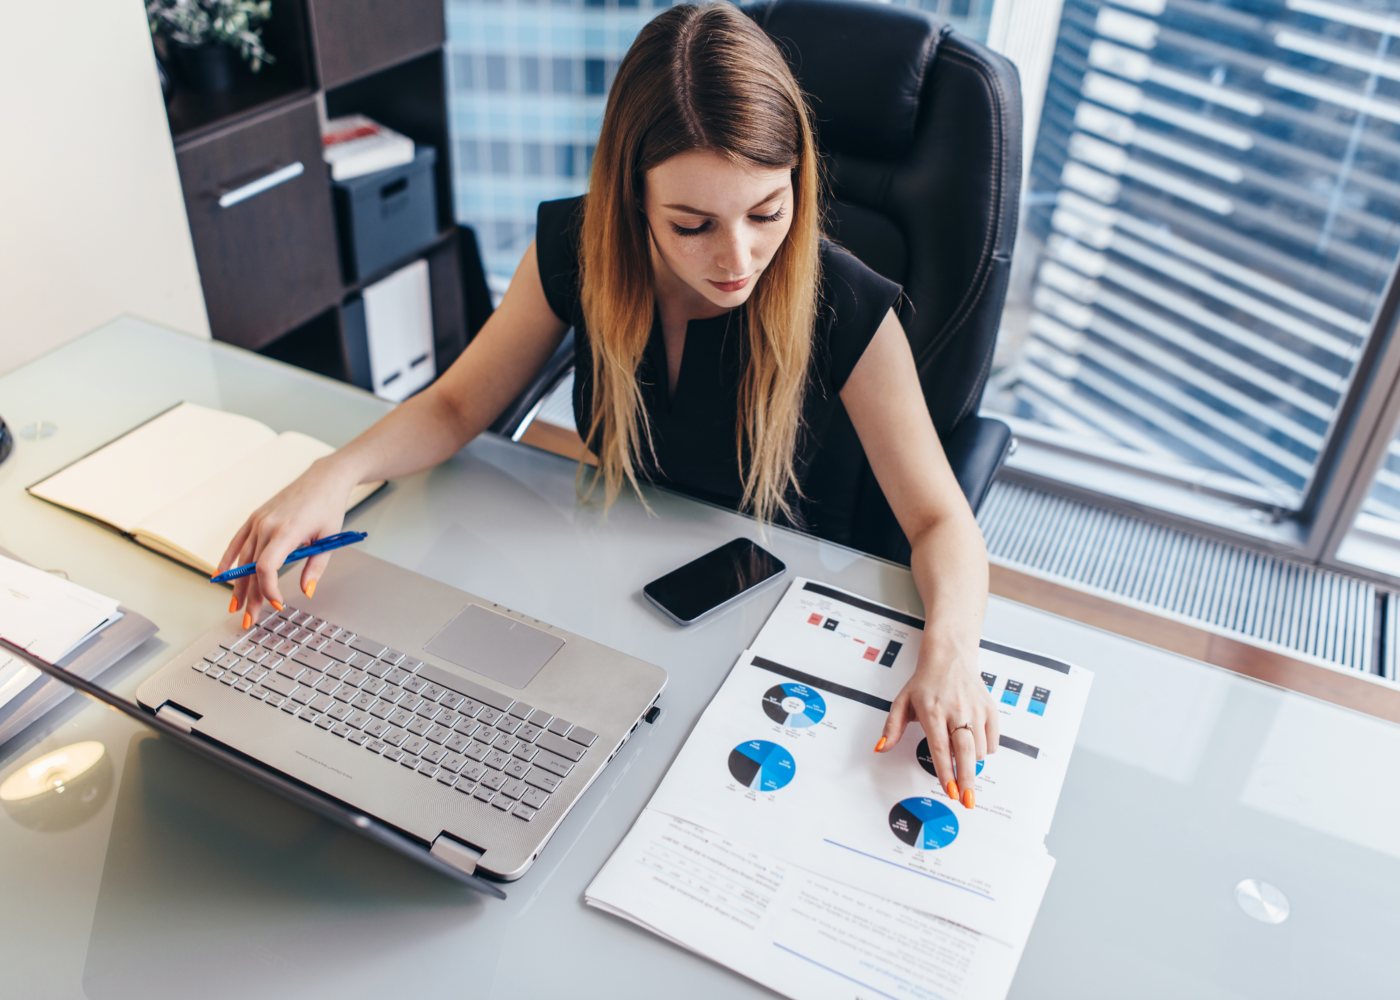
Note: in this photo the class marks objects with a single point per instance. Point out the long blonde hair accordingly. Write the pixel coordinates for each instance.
(700, 77)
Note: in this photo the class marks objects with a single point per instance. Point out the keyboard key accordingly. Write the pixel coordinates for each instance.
(376, 728)
(411, 762)
(418, 726)
(505, 744)
(564, 748)
(344, 693)
(303, 695)
(485, 735)
(362, 702)
(377, 668)
(451, 699)
(391, 656)
(483, 793)
(489, 716)
(473, 772)
(325, 722)
(341, 730)
(356, 737)
(414, 684)
(432, 692)
(355, 677)
(453, 762)
(291, 707)
(428, 710)
(337, 670)
(502, 803)
(496, 760)
(395, 676)
(508, 724)
(521, 710)
(326, 684)
(427, 767)
(373, 686)
(560, 727)
(554, 765)
(493, 780)
(433, 753)
(300, 636)
(290, 668)
(477, 751)
(256, 674)
(394, 736)
(466, 726)
(398, 717)
(470, 708)
(314, 660)
(529, 733)
(514, 788)
(446, 777)
(376, 746)
(274, 699)
(542, 780)
(393, 753)
(367, 646)
(243, 685)
(523, 811)
(381, 709)
(583, 737)
(338, 651)
(465, 787)
(517, 769)
(437, 734)
(525, 751)
(534, 798)
(447, 720)
(359, 719)
(339, 711)
(539, 717)
(414, 745)
(454, 682)
(457, 743)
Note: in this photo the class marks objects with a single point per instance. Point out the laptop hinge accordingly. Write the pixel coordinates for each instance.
(177, 717)
(459, 855)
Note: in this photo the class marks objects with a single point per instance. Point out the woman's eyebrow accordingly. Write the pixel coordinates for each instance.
(710, 215)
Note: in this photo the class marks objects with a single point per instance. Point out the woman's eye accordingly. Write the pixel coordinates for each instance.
(776, 216)
(696, 231)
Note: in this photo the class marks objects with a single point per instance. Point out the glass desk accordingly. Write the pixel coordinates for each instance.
(155, 875)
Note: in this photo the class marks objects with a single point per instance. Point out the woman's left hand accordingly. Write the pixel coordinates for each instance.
(948, 699)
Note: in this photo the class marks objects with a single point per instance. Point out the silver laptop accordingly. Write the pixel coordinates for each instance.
(445, 723)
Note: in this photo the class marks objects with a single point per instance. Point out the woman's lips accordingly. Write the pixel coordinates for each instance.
(729, 286)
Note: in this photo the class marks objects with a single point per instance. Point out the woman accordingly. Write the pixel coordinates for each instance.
(716, 335)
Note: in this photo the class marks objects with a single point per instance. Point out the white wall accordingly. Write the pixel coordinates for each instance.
(92, 222)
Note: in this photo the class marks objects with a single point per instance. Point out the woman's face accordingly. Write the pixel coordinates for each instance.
(715, 225)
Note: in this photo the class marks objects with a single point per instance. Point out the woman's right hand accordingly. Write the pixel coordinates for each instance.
(310, 507)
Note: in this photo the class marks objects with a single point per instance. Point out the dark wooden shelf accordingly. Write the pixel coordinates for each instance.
(438, 241)
(194, 115)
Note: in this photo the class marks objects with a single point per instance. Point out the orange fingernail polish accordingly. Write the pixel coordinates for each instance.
(881, 745)
(247, 620)
(277, 604)
(232, 604)
(968, 798)
(952, 789)
(310, 588)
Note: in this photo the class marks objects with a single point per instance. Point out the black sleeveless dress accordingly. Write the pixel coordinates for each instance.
(693, 428)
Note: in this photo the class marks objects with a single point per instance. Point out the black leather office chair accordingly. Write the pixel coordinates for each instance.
(921, 131)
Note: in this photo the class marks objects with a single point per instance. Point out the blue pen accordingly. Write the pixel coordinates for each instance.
(320, 545)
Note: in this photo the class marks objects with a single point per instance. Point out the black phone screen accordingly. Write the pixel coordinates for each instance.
(714, 579)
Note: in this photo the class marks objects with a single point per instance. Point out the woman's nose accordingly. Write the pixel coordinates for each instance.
(733, 256)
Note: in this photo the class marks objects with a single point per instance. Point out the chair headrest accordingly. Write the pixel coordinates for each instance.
(862, 66)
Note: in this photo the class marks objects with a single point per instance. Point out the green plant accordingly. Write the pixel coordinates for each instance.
(235, 23)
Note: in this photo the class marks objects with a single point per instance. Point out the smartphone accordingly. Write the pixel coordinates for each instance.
(716, 579)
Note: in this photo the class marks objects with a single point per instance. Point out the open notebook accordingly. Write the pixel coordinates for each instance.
(183, 482)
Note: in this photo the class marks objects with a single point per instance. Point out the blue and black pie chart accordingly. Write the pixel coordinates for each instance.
(924, 823)
(926, 759)
(794, 705)
(762, 766)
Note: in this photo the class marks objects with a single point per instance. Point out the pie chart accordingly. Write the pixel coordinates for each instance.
(924, 823)
(761, 765)
(794, 705)
(926, 759)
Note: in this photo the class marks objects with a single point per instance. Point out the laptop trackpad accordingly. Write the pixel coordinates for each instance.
(495, 646)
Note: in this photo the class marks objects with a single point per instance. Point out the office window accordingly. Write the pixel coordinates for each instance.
(1210, 219)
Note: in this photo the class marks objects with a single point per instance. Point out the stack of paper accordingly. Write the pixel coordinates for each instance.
(782, 847)
(46, 615)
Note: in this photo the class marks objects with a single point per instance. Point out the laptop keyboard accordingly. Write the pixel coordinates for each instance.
(439, 725)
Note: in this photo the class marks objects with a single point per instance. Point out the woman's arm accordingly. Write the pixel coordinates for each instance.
(949, 560)
(424, 430)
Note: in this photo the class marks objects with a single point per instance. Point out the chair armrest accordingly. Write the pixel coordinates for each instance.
(976, 449)
(517, 416)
